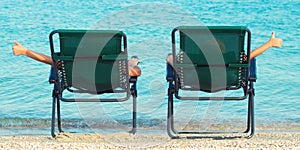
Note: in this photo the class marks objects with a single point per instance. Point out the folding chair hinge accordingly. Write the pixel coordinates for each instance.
(171, 91)
(55, 93)
(133, 92)
(251, 91)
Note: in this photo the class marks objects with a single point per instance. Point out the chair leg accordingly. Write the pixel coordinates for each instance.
(133, 130)
(53, 117)
(172, 132)
(248, 117)
(251, 116)
(172, 116)
(58, 117)
(134, 96)
(170, 119)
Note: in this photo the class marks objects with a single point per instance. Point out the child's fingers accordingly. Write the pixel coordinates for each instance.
(17, 43)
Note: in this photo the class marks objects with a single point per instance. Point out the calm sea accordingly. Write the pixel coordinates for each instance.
(25, 94)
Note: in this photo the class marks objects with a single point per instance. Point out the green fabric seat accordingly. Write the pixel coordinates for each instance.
(90, 62)
(211, 58)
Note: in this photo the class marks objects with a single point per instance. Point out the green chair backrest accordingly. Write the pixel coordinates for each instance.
(211, 57)
(92, 59)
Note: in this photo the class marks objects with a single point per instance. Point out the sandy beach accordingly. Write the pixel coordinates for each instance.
(261, 140)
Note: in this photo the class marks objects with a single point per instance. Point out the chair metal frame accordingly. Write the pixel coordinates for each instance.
(57, 93)
(173, 90)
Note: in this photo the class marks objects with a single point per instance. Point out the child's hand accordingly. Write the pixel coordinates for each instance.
(18, 49)
(275, 42)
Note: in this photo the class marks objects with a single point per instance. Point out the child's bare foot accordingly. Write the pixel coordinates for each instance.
(134, 69)
(18, 49)
(169, 59)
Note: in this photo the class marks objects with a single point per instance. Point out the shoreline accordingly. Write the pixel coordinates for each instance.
(112, 127)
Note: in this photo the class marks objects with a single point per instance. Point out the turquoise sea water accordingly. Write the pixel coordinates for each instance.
(25, 94)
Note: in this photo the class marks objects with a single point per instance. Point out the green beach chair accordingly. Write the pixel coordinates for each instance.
(211, 59)
(90, 62)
